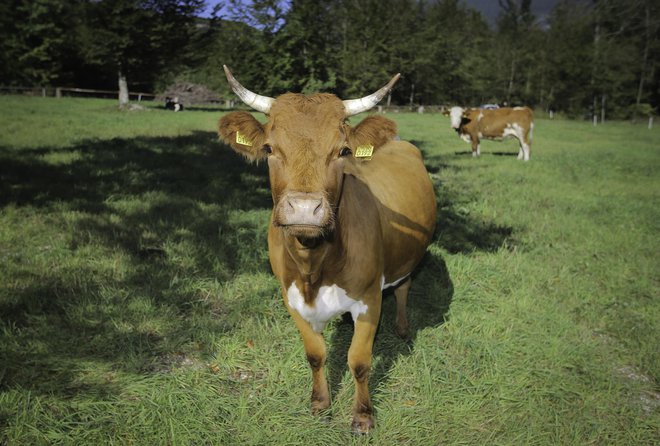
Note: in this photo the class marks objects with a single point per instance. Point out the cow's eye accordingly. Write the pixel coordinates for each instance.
(345, 151)
(267, 149)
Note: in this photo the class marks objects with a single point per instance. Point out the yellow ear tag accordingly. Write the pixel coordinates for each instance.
(242, 139)
(365, 151)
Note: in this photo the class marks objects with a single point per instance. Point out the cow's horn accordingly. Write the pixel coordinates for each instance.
(256, 101)
(355, 106)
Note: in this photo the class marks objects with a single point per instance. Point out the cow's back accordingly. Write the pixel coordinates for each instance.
(405, 197)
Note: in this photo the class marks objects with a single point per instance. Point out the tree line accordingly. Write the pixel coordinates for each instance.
(587, 58)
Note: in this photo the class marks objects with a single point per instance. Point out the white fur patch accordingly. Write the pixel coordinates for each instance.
(330, 301)
(456, 115)
(513, 130)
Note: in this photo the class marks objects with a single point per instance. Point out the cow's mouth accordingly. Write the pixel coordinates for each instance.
(306, 234)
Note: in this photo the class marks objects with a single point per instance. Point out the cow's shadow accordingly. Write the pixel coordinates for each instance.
(432, 289)
(428, 303)
(190, 183)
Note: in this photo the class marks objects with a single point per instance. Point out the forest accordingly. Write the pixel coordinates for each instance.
(587, 59)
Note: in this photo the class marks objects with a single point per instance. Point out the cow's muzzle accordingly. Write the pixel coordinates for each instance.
(305, 214)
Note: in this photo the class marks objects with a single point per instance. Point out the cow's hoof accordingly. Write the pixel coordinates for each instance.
(320, 408)
(402, 332)
(362, 424)
(324, 416)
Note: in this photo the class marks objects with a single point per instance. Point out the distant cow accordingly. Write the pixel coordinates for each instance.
(353, 212)
(474, 124)
(173, 104)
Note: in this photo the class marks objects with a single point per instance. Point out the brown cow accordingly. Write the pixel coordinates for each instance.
(353, 213)
(475, 123)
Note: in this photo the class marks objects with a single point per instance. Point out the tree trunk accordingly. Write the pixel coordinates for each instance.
(645, 56)
(594, 68)
(123, 90)
(512, 74)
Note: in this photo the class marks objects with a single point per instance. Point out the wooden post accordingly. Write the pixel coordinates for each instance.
(650, 122)
(58, 92)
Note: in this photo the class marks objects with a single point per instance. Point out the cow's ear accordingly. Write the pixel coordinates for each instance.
(243, 133)
(374, 131)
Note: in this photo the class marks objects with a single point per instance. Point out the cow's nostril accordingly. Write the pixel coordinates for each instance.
(318, 208)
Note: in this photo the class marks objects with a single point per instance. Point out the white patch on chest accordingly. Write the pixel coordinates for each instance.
(330, 301)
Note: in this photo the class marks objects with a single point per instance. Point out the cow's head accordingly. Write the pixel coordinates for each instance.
(308, 144)
(456, 115)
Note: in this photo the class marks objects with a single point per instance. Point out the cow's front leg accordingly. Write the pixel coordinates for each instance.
(316, 356)
(359, 361)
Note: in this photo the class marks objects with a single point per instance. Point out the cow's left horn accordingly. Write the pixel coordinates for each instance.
(256, 101)
(355, 106)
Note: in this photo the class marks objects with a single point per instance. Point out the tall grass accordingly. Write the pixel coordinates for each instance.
(137, 305)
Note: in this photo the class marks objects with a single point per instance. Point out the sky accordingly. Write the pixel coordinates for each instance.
(489, 8)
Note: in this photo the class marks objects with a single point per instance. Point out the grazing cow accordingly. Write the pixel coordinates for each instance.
(474, 124)
(173, 104)
(353, 212)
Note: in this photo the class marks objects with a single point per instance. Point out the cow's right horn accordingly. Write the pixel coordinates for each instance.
(256, 101)
(355, 106)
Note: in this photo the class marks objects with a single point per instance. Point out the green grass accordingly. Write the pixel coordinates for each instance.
(137, 305)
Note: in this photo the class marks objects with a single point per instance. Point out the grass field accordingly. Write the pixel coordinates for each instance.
(137, 306)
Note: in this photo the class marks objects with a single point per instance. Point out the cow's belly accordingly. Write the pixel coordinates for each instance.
(330, 302)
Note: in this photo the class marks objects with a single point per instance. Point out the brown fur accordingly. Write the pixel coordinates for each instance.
(381, 218)
(492, 124)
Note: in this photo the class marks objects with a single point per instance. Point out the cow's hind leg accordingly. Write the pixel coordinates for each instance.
(523, 153)
(401, 295)
(525, 149)
(359, 361)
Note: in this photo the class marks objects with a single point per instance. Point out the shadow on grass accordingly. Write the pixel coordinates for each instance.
(165, 209)
(457, 230)
(428, 303)
(469, 152)
(162, 212)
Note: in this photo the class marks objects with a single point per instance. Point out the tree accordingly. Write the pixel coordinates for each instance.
(304, 56)
(34, 42)
(450, 64)
(137, 38)
(515, 25)
(375, 38)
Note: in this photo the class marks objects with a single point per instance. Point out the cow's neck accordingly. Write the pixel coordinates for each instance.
(309, 256)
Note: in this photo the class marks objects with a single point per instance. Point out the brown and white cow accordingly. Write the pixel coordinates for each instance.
(474, 124)
(353, 212)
